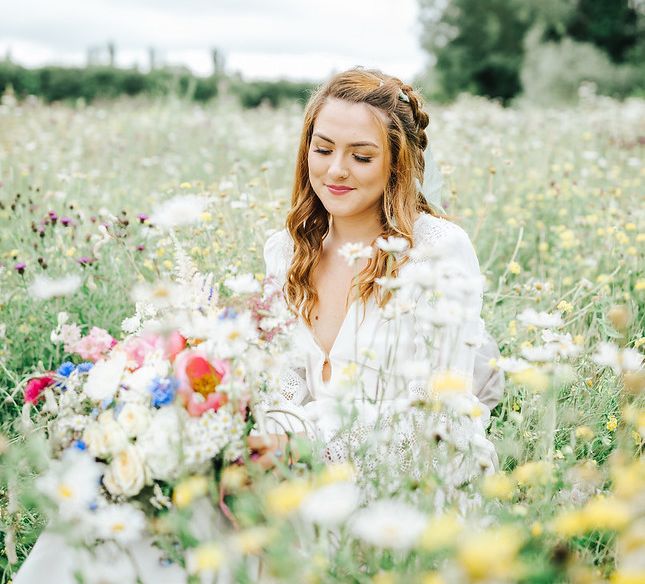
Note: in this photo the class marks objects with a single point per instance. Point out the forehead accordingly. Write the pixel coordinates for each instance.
(346, 122)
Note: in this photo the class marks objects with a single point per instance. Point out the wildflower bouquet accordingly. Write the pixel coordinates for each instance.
(131, 424)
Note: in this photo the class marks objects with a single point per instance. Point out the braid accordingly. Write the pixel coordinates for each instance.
(421, 118)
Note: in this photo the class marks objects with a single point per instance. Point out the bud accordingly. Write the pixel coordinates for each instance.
(620, 317)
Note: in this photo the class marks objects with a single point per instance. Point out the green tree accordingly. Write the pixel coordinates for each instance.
(477, 45)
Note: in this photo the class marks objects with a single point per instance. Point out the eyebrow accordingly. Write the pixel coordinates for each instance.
(352, 145)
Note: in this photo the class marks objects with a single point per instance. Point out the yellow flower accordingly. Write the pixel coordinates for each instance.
(569, 523)
(206, 217)
(532, 377)
(628, 576)
(188, 490)
(286, 497)
(606, 513)
(498, 486)
(448, 381)
(251, 541)
(536, 529)
(640, 284)
(612, 423)
(205, 558)
(629, 479)
(441, 532)
(512, 328)
(432, 578)
(185, 185)
(491, 554)
(533, 473)
(564, 306)
(584, 433)
(514, 268)
(336, 473)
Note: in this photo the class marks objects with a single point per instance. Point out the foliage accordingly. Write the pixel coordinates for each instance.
(497, 48)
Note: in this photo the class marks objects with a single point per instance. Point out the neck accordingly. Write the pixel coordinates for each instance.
(362, 228)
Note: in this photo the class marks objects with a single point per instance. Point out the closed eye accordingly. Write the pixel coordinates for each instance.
(356, 156)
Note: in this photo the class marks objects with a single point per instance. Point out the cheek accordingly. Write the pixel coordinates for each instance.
(314, 165)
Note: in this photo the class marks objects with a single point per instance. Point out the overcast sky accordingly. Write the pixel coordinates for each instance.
(298, 39)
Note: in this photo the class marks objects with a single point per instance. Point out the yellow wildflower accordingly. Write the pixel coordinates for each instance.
(498, 486)
(564, 306)
(491, 554)
(628, 576)
(532, 473)
(286, 497)
(188, 490)
(612, 423)
(514, 268)
(532, 377)
(204, 558)
(441, 532)
(448, 382)
(584, 433)
(336, 473)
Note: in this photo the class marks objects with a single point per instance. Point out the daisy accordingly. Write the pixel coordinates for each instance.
(355, 251)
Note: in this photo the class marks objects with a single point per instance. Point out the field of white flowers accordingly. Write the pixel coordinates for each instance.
(553, 202)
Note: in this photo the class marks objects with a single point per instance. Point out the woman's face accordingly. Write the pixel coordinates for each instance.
(347, 151)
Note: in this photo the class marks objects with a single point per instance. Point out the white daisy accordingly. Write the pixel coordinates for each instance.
(121, 523)
(44, 288)
(330, 505)
(539, 319)
(392, 244)
(355, 251)
(179, 211)
(389, 524)
(244, 284)
(104, 378)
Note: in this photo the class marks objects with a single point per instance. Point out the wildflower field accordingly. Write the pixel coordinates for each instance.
(553, 203)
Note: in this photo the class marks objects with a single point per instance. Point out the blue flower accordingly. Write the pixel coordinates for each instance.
(66, 369)
(84, 367)
(79, 445)
(228, 314)
(163, 391)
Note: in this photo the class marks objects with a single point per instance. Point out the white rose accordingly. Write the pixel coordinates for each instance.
(126, 473)
(134, 418)
(104, 437)
(160, 444)
(104, 378)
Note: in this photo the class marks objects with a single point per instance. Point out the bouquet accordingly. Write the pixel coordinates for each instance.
(137, 426)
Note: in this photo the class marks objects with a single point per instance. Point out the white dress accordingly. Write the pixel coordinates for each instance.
(465, 347)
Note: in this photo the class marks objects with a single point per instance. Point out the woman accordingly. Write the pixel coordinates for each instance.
(358, 177)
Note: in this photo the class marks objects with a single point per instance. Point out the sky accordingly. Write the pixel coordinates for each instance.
(262, 39)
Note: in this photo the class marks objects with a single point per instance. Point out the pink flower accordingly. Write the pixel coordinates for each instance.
(94, 346)
(199, 379)
(138, 348)
(35, 388)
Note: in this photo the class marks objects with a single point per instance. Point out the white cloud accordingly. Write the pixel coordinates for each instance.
(268, 38)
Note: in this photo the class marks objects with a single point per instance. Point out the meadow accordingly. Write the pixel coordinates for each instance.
(553, 202)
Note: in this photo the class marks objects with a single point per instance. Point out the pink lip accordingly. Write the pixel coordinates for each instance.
(338, 190)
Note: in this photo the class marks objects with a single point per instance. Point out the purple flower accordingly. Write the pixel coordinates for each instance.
(141, 247)
(53, 216)
(65, 221)
(20, 267)
(142, 217)
(85, 260)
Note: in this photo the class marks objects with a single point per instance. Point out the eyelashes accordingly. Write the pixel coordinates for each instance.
(364, 159)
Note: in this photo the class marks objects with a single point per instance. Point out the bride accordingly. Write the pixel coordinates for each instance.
(359, 179)
(359, 176)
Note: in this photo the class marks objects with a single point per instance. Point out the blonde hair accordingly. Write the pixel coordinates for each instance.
(308, 220)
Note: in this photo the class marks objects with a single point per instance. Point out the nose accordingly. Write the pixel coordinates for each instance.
(337, 167)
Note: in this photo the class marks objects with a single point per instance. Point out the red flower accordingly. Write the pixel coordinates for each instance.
(35, 388)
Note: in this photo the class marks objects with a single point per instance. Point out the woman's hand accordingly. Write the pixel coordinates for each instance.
(269, 448)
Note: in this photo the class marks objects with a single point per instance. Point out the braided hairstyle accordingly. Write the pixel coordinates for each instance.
(308, 220)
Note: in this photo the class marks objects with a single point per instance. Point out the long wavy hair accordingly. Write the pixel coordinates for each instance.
(308, 221)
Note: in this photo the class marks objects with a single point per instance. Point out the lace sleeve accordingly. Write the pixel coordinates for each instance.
(283, 410)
